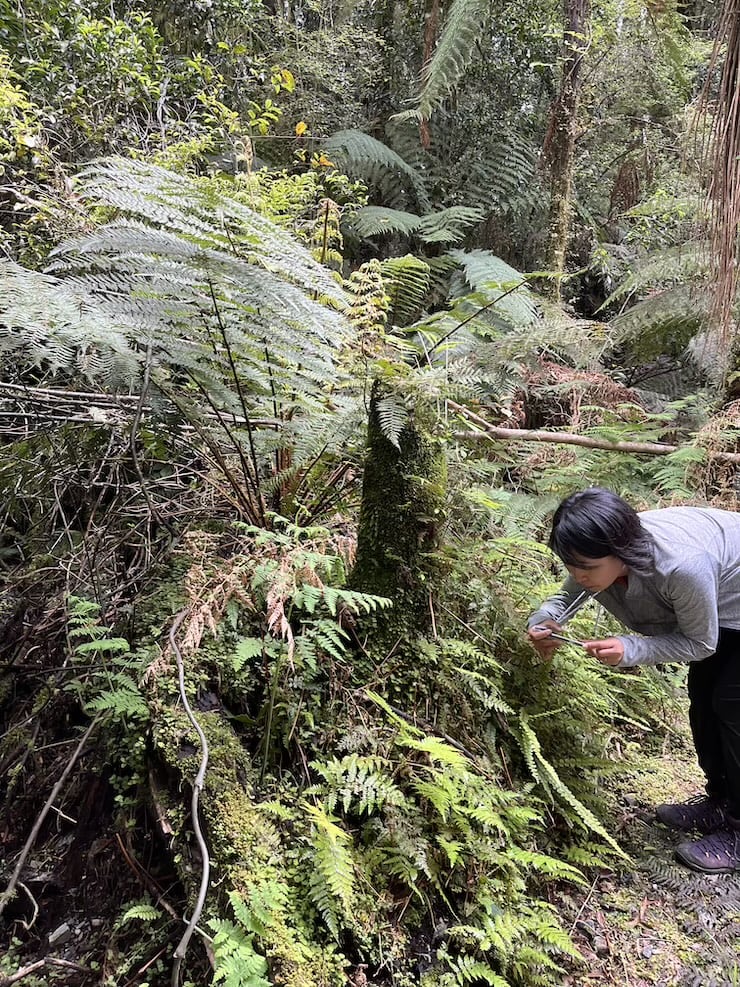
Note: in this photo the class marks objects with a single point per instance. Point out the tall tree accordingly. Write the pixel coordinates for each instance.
(559, 147)
(724, 188)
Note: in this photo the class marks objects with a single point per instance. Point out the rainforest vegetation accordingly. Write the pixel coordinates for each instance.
(310, 314)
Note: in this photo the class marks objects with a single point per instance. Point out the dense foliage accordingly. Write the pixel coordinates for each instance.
(273, 277)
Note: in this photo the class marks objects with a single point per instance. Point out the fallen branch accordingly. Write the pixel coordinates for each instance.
(25, 971)
(493, 432)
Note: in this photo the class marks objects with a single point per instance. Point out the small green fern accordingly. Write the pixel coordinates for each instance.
(331, 886)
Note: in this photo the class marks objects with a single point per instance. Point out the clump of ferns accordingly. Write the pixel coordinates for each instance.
(440, 834)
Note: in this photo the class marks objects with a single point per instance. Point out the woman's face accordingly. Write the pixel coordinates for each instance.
(596, 575)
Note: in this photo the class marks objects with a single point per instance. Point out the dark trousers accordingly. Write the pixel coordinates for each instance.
(714, 714)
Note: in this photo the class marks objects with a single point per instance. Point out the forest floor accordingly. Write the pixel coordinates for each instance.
(652, 922)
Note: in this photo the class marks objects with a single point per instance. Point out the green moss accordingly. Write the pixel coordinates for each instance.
(402, 509)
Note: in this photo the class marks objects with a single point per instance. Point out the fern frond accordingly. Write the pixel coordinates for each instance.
(674, 265)
(393, 417)
(144, 913)
(362, 156)
(663, 322)
(469, 970)
(380, 220)
(407, 279)
(546, 774)
(237, 963)
(486, 273)
(332, 878)
(55, 326)
(446, 226)
(453, 53)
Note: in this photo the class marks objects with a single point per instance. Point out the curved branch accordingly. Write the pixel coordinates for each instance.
(182, 946)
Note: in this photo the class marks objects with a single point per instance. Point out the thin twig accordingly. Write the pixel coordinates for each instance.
(10, 890)
(583, 905)
(182, 947)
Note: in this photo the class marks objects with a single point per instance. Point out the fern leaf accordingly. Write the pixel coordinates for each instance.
(545, 773)
(407, 279)
(488, 274)
(144, 913)
(453, 53)
(363, 156)
(393, 417)
(332, 877)
(54, 326)
(380, 220)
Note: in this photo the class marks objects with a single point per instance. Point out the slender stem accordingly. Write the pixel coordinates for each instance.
(182, 947)
(242, 402)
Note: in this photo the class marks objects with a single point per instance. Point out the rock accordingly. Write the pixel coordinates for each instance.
(60, 935)
(601, 945)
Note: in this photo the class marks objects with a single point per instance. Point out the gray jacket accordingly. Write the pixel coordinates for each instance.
(693, 590)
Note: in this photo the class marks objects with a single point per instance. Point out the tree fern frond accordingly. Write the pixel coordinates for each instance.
(445, 226)
(449, 225)
(52, 325)
(380, 220)
(663, 322)
(453, 53)
(407, 280)
(363, 156)
(489, 274)
(679, 264)
(206, 216)
(220, 293)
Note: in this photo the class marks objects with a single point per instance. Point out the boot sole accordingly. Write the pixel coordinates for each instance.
(693, 865)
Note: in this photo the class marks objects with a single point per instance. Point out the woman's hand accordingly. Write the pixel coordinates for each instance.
(609, 651)
(539, 638)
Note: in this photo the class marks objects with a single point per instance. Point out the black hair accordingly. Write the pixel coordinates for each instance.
(594, 523)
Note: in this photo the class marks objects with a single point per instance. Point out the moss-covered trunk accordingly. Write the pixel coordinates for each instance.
(559, 149)
(400, 517)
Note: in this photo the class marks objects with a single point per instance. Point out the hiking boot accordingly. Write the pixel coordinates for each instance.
(716, 853)
(702, 813)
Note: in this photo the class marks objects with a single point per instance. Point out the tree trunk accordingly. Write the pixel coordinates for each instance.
(402, 507)
(559, 147)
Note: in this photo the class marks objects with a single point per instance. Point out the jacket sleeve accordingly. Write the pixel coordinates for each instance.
(557, 604)
(692, 591)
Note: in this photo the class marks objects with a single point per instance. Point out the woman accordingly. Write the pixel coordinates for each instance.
(672, 575)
